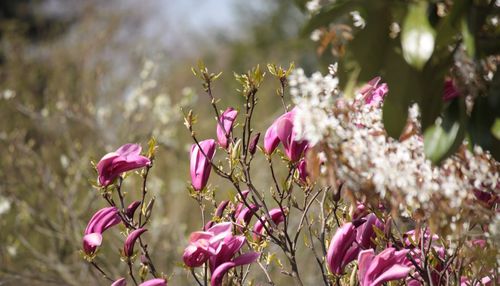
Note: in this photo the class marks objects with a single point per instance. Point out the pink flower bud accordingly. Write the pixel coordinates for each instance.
(220, 209)
(200, 165)
(132, 208)
(252, 146)
(271, 139)
(128, 247)
(227, 121)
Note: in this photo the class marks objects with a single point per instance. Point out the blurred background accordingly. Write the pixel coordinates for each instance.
(80, 78)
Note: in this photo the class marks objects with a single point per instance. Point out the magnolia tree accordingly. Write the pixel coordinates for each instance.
(367, 208)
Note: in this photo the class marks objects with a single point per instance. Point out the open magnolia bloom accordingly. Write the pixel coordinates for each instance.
(128, 157)
(217, 246)
(389, 265)
(349, 240)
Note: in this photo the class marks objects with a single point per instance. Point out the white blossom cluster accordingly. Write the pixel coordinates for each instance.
(316, 93)
(366, 159)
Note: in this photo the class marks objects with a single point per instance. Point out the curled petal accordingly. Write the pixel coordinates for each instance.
(271, 139)
(128, 247)
(91, 242)
(97, 217)
(302, 169)
(154, 282)
(395, 272)
(227, 121)
(365, 233)
(340, 244)
(120, 282)
(245, 215)
(195, 256)
(132, 208)
(220, 209)
(277, 217)
(222, 269)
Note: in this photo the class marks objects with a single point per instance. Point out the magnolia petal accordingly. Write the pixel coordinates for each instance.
(395, 272)
(154, 282)
(128, 247)
(120, 282)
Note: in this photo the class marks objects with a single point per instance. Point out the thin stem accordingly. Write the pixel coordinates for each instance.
(130, 272)
(101, 271)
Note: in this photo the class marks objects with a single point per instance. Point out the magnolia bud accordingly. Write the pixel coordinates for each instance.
(252, 147)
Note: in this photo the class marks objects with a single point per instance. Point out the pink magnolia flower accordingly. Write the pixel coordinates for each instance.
(282, 130)
(128, 157)
(100, 221)
(450, 92)
(389, 265)
(245, 215)
(271, 139)
(342, 249)
(132, 208)
(220, 208)
(412, 240)
(293, 149)
(349, 240)
(366, 231)
(218, 246)
(203, 244)
(154, 282)
(227, 121)
(302, 169)
(252, 146)
(374, 92)
(120, 282)
(485, 281)
(240, 205)
(128, 247)
(200, 166)
(276, 216)
(220, 271)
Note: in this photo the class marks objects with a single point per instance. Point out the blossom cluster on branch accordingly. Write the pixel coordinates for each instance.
(368, 209)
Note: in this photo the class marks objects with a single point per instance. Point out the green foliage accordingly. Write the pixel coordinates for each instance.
(414, 46)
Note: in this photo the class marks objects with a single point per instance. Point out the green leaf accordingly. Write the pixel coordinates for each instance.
(417, 35)
(438, 141)
(483, 118)
(470, 45)
(394, 116)
(405, 88)
(443, 139)
(495, 129)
